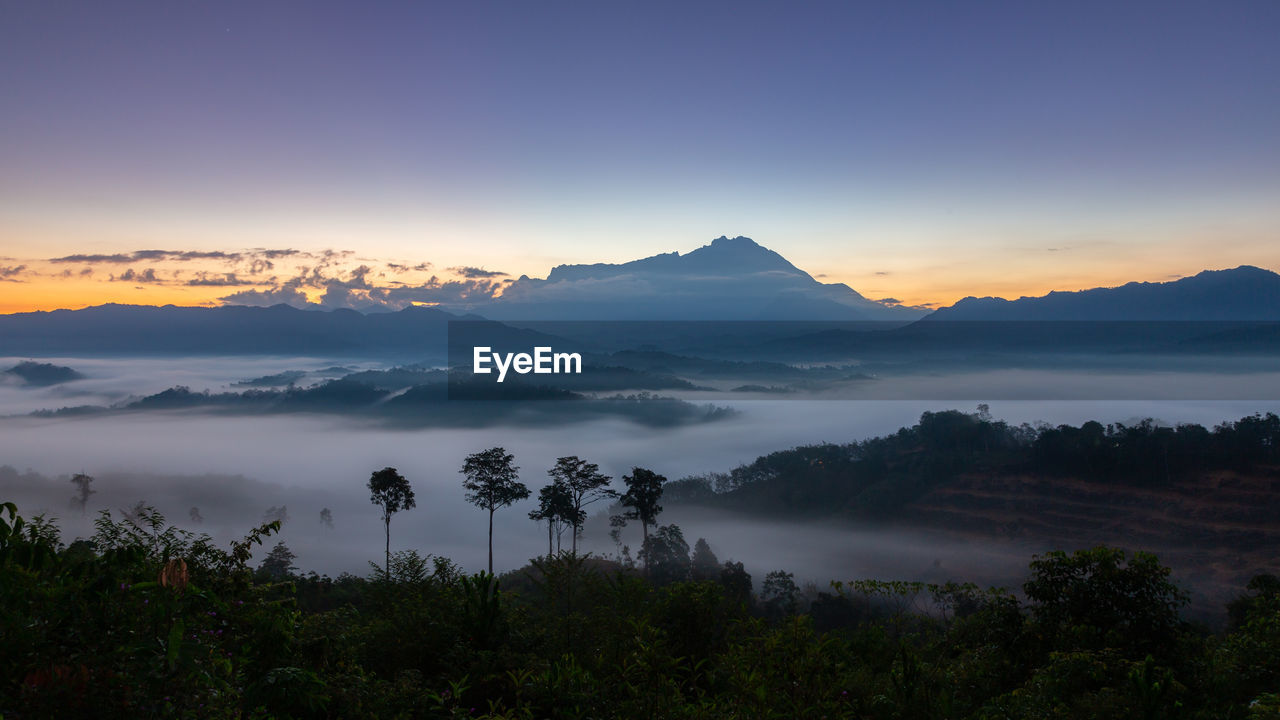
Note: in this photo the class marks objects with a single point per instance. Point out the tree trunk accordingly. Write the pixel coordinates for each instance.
(644, 532)
(387, 571)
(577, 513)
(490, 541)
(550, 527)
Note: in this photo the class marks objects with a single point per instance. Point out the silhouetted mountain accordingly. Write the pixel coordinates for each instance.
(42, 374)
(229, 330)
(730, 279)
(1243, 293)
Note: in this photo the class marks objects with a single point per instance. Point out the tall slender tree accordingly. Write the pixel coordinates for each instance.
(585, 484)
(83, 490)
(492, 481)
(555, 507)
(389, 490)
(644, 490)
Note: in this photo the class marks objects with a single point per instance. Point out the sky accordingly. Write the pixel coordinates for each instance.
(184, 152)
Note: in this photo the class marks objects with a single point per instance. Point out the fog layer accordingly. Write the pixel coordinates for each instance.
(233, 469)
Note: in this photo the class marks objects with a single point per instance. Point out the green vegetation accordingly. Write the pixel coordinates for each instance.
(147, 620)
(492, 482)
(873, 479)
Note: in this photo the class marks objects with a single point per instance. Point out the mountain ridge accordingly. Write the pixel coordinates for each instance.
(722, 256)
(1242, 293)
(727, 279)
(119, 329)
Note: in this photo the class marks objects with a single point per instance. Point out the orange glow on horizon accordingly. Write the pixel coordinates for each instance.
(58, 294)
(928, 287)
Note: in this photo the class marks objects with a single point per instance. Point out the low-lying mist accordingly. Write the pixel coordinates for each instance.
(110, 380)
(232, 470)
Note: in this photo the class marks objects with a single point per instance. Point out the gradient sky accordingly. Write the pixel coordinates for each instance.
(924, 151)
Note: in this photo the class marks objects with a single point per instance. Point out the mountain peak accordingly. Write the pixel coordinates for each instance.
(741, 241)
(728, 278)
(1236, 273)
(737, 255)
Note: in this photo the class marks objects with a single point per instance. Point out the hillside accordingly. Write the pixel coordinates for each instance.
(1219, 528)
(1242, 293)
(1208, 498)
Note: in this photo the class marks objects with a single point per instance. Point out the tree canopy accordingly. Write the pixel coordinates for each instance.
(492, 482)
(585, 485)
(390, 490)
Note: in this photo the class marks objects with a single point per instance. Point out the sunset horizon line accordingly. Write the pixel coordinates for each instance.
(48, 291)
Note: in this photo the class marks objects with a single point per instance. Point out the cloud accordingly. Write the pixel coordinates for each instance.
(264, 298)
(399, 268)
(146, 256)
(889, 301)
(434, 291)
(882, 273)
(349, 293)
(278, 253)
(131, 275)
(258, 255)
(204, 279)
(9, 274)
(356, 291)
(475, 272)
(118, 258)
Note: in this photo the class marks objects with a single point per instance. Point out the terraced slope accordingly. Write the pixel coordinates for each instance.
(1216, 530)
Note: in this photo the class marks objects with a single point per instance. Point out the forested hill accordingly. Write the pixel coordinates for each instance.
(883, 477)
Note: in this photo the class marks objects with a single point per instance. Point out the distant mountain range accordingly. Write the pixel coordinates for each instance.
(226, 330)
(730, 279)
(1245, 293)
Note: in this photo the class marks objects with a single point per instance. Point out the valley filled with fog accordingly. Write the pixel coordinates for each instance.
(233, 469)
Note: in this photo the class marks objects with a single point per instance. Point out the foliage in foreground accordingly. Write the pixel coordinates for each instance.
(146, 620)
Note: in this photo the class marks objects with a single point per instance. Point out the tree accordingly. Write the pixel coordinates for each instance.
(779, 593)
(644, 489)
(83, 491)
(278, 513)
(555, 506)
(666, 554)
(389, 490)
(585, 484)
(736, 582)
(278, 564)
(326, 518)
(1104, 598)
(194, 514)
(492, 482)
(705, 565)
